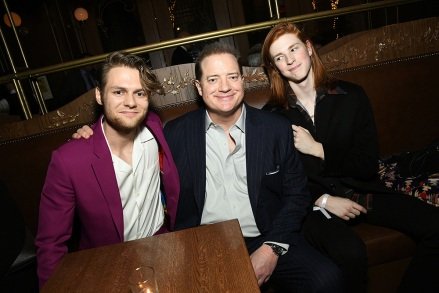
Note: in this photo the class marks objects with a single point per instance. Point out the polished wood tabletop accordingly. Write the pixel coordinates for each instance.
(211, 258)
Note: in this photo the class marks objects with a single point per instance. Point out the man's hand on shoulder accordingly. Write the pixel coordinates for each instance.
(264, 261)
(83, 132)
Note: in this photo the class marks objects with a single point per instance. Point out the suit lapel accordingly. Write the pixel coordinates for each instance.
(169, 177)
(196, 150)
(106, 178)
(254, 154)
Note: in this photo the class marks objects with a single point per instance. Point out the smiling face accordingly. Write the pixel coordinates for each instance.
(292, 58)
(124, 100)
(222, 87)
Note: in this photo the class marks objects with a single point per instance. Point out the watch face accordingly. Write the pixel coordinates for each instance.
(278, 250)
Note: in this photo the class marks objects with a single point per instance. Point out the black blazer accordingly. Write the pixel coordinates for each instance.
(345, 126)
(276, 180)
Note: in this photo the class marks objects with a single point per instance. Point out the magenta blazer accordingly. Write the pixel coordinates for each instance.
(81, 184)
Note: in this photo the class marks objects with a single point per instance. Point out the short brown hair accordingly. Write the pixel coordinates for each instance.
(214, 49)
(148, 79)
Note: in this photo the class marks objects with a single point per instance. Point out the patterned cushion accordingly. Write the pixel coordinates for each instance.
(424, 187)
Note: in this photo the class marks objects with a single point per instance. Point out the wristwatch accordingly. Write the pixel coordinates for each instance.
(277, 249)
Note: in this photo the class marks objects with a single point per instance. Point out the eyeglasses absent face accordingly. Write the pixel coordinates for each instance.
(221, 84)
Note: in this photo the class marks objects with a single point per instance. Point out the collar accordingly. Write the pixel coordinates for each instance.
(240, 123)
(143, 136)
(322, 92)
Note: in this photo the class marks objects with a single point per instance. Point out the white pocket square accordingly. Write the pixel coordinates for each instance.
(273, 172)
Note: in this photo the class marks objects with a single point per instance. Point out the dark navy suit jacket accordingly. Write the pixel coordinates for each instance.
(275, 177)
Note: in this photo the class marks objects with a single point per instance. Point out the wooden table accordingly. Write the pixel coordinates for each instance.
(211, 258)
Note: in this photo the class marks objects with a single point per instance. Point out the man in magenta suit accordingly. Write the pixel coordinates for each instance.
(119, 185)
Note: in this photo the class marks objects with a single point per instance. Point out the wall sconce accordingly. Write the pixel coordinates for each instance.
(15, 18)
(81, 14)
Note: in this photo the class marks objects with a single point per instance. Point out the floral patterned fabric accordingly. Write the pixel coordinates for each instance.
(424, 187)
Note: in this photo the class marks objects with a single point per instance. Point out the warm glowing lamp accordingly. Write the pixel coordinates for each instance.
(15, 18)
(81, 14)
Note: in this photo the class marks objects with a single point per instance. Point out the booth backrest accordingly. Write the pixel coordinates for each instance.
(404, 100)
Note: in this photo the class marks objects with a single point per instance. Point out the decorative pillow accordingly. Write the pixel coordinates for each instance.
(422, 186)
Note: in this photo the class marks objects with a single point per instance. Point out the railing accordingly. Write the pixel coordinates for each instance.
(34, 73)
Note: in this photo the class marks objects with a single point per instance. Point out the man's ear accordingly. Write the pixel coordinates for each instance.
(98, 96)
(198, 85)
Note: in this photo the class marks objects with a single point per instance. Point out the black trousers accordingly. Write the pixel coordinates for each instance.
(335, 238)
(302, 269)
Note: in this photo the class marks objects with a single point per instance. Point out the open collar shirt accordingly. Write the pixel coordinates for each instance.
(139, 187)
(226, 177)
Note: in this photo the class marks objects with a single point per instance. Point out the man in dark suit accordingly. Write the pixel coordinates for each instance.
(236, 161)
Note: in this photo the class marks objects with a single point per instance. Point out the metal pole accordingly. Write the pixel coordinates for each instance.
(18, 87)
(22, 99)
(277, 9)
(15, 33)
(269, 7)
(36, 90)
